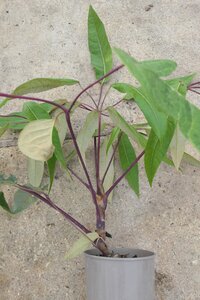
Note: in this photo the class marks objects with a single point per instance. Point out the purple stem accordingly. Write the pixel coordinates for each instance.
(92, 191)
(84, 107)
(94, 83)
(104, 98)
(125, 173)
(87, 105)
(12, 116)
(194, 91)
(95, 157)
(48, 201)
(98, 152)
(67, 115)
(114, 151)
(117, 103)
(35, 99)
(75, 175)
(100, 94)
(195, 83)
(89, 96)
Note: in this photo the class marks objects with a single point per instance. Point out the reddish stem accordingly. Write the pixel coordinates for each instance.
(98, 152)
(111, 159)
(194, 91)
(94, 83)
(125, 173)
(75, 175)
(117, 103)
(34, 99)
(48, 201)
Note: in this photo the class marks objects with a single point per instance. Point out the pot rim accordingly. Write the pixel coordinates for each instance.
(93, 254)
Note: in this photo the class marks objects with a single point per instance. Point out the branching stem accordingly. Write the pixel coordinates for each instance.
(81, 180)
(94, 83)
(125, 173)
(111, 159)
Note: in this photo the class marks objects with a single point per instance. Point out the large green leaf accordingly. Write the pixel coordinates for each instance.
(127, 156)
(121, 123)
(35, 140)
(156, 119)
(38, 85)
(34, 111)
(100, 50)
(35, 171)
(156, 149)
(166, 99)
(105, 157)
(82, 244)
(160, 67)
(85, 134)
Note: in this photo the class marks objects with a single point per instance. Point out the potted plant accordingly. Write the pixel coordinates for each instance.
(170, 121)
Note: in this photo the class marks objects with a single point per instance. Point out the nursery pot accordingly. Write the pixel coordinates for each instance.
(114, 278)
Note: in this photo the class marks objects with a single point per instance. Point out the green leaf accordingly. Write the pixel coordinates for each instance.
(3, 202)
(61, 126)
(121, 123)
(160, 67)
(85, 134)
(105, 157)
(166, 99)
(3, 102)
(9, 180)
(180, 84)
(113, 137)
(3, 129)
(82, 244)
(38, 85)
(51, 163)
(13, 121)
(35, 140)
(100, 50)
(177, 147)
(156, 119)
(191, 160)
(33, 111)
(127, 156)
(35, 172)
(58, 148)
(22, 201)
(156, 149)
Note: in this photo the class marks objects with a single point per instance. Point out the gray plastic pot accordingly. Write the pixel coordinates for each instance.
(120, 278)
